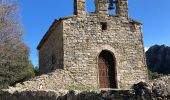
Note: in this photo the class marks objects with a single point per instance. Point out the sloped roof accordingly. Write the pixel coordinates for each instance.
(48, 33)
(135, 21)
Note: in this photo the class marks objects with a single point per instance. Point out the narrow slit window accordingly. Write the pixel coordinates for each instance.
(53, 59)
(104, 25)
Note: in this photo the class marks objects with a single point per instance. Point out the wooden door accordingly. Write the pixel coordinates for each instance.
(106, 65)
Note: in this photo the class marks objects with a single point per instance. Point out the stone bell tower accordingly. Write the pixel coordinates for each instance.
(121, 7)
(79, 7)
(101, 7)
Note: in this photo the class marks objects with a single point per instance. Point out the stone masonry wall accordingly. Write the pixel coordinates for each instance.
(154, 90)
(51, 52)
(84, 39)
(57, 80)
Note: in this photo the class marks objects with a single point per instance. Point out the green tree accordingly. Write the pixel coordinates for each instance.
(14, 62)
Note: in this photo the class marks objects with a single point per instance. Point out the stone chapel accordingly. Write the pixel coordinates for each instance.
(99, 49)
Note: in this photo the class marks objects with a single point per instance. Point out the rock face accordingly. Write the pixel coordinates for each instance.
(158, 59)
(74, 44)
(158, 89)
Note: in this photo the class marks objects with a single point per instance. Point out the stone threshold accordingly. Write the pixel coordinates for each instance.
(114, 89)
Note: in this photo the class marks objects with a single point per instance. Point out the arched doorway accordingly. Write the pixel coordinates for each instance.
(107, 70)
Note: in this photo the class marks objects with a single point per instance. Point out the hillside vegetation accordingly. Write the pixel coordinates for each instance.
(14, 54)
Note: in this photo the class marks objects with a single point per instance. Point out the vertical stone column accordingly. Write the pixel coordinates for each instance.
(79, 7)
(101, 6)
(122, 8)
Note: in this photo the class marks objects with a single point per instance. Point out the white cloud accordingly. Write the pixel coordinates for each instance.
(146, 49)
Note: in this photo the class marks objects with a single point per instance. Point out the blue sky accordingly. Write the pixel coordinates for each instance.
(38, 15)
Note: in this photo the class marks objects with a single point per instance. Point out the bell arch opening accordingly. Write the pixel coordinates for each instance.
(107, 70)
(112, 7)
(90, 6)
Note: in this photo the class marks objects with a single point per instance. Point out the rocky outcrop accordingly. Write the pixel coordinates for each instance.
(157, 58)
(161, 86)
(158, 89)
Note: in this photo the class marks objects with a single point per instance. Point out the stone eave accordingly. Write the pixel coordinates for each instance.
(48, 33)
(135, 21)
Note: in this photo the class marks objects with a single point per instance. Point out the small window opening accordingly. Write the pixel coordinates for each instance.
(104, 25)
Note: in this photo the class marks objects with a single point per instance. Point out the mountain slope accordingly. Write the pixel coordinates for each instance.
(158, 59)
